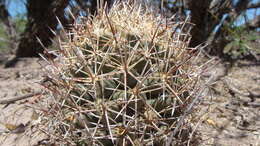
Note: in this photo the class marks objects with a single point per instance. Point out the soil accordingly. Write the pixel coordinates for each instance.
(229, 114)
(17, 119)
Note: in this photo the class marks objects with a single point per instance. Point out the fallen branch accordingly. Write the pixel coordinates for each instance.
(12, 100)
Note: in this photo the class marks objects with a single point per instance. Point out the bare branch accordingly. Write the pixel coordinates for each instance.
(253, 5)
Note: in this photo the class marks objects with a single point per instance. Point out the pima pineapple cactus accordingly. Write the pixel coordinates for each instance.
(123, 77)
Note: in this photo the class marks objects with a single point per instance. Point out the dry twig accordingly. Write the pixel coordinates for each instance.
(12, 100)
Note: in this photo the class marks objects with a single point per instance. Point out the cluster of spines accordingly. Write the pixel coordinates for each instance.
(125, 77)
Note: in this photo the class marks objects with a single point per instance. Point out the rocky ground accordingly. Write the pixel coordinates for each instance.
(17, 119)
(229, 115)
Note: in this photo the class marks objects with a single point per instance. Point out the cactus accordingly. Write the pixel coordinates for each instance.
(122, 77)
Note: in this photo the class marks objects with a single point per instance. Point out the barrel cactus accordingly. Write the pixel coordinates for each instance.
(122, 77)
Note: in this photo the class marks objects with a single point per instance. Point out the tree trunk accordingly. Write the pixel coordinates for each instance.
(199, 17)
(42, 18)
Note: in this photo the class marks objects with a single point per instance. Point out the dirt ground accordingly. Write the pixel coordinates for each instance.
(229, 115)
(17, 119)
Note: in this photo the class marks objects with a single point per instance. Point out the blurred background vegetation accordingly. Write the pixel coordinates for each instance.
(228, 28)
(20, 22)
